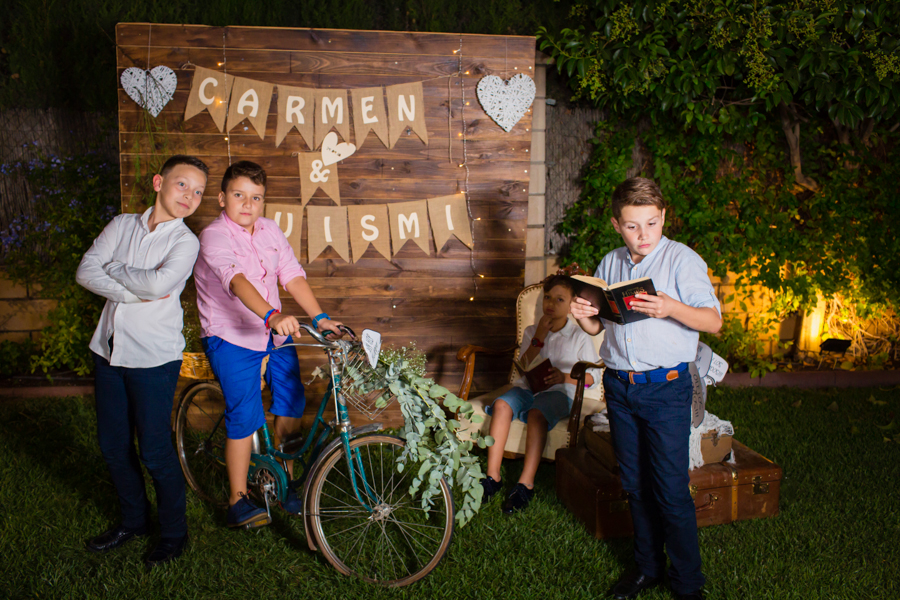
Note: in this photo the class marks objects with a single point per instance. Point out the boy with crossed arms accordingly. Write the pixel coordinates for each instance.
(648, 386)
(140, 263)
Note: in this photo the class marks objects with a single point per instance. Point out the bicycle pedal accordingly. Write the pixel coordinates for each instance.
(258, 523)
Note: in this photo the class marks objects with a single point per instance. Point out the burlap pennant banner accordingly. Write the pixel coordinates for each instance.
(295, 109)
(406, 108)
(369, 225)
(332, 112)
(449, 216)
(369, 115)
(327, 226)
(315, 175)
(209, 91)
(250, 100)
(409, 221)
(289, 218)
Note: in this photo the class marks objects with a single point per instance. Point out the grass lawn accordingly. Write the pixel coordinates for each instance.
(838, 534)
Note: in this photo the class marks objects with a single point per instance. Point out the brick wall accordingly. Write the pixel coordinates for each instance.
(22, 311)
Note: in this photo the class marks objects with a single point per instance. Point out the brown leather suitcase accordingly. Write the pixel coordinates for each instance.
(723, 493)
(713, 447)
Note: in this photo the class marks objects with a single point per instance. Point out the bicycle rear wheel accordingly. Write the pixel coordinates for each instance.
(395, 544)
(200, 440)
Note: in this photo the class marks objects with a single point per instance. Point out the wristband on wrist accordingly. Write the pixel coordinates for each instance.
(269, 316)
(317, 318)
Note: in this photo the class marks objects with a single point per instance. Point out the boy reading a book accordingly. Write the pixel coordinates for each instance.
(648, 387)
(542, 403)
(243, 257)
(140, 263)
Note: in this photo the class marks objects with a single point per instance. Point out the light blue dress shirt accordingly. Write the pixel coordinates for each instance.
(677, 271)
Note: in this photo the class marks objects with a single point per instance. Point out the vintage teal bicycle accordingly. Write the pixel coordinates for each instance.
(357, 509)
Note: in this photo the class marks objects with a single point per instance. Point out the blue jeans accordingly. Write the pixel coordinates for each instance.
(140, 401)
(650, 425)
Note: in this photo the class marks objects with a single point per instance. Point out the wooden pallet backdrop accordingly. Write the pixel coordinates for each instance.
(436, 300)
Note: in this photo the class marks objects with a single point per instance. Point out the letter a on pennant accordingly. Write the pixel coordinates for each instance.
(449, 216)
(409, 220)
(250, 100)
(210, 92)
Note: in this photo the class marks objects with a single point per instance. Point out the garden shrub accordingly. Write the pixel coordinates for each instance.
(73, 198)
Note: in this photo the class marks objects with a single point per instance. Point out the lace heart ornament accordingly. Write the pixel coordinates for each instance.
(506, 101)
(151, 90)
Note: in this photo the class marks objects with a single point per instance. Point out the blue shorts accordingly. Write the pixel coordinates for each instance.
(554, 406)
(237, 370)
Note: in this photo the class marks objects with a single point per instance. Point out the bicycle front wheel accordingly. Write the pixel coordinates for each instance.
(200, 441)
(395, 543)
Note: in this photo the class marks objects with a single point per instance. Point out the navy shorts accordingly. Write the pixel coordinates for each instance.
(237, 370)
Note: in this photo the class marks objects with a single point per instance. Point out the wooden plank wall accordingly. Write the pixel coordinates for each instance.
(414, 296)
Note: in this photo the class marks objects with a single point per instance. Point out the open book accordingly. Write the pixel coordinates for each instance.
(613, 301)
(535, 372)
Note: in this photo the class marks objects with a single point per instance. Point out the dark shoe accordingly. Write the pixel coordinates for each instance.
(518, 499)
(490, 488)
(292, 504)
(698, 595)
(166, 550)
(244, 513)
(115, 537)
(633, 583)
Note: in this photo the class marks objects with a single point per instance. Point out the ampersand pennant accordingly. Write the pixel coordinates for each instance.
(409, 221)
(250, 100)
(209, 91)
(369, 225)
(449, 216)
(406, 107)
(332, 112)
(327, 226)
(295, 109)
(314, 175)
(289, 218)
(369, 115)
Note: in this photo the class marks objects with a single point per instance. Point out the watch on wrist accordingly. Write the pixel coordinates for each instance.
(537, 343)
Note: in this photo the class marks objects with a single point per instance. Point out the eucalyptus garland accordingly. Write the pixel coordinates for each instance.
(433, 448)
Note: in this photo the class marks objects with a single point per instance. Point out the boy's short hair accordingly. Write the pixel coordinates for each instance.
(244, 168)
(558, 280)
(636, 191)
(183, 159)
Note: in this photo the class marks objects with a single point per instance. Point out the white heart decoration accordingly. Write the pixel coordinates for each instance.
(333, 152)
(151, 90)
(506, 101)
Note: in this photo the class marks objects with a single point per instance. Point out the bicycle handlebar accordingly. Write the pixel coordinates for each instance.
(320, 338)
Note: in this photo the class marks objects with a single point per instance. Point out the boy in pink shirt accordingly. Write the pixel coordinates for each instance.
(243, 258)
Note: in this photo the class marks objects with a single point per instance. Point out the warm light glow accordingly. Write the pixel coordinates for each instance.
(472, 298)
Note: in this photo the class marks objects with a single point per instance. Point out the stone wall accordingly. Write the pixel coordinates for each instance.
(23, 313)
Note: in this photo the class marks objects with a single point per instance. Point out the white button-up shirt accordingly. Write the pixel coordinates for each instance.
(128, 264)
(564, 348)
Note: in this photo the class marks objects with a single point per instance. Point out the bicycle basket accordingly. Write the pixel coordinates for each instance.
(362, 386)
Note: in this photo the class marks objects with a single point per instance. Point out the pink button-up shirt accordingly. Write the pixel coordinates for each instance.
(264, 258)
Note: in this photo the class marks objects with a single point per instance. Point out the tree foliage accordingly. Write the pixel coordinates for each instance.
(727, 65)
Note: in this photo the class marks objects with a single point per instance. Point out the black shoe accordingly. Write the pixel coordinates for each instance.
(166, 550)
(491, 487)
(698, 595)
(518, 499)
(633, 583)
(115, 537)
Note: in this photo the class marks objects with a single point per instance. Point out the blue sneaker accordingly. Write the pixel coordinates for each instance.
(245, 514)
(292, 504)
